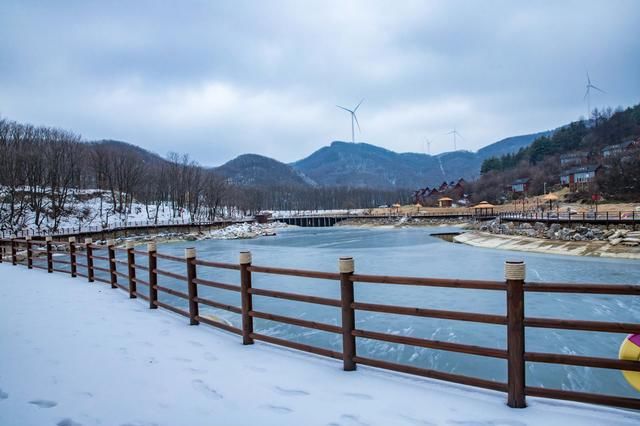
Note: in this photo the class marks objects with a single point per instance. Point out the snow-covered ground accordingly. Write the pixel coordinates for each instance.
(74, 353)
(244, 230)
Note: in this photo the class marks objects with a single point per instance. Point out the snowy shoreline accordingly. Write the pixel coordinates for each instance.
(233, 232)
(74, 347)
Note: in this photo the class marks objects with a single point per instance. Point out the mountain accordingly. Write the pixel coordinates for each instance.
(510, 145)
(353, 164)
(260, 171)
(364, 165)
(141, 154)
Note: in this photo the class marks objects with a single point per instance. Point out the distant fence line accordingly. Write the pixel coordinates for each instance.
(131, 275)
(630, 217)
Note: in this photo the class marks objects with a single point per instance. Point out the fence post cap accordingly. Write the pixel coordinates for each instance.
(514, 270)
(48, 239)
(152, 246)
(72, 239)
(129, 244)
(245, 257)
(111, 243)
(346, 265)
(88, 240)
(189, 252)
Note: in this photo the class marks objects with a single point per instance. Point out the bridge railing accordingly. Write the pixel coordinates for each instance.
(629, 216)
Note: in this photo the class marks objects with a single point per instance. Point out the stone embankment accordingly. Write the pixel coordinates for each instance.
(621, 235)
(592, 240)
(232, 232)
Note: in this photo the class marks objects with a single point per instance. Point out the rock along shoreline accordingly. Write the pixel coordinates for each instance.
(537, 245)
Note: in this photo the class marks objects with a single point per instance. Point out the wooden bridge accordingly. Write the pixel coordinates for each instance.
(320, 221)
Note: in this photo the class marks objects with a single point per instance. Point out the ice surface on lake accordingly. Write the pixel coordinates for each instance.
(413, 252)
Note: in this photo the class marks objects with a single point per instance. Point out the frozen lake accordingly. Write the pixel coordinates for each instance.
(413, 252)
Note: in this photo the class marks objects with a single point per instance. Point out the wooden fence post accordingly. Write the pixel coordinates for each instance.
(49, 255)
(514, 272)
(190, 257)
(131, 264)
(111, 250)
(14, 252)
(29, 252)
(89, 253)
(153, 276)
(247, 301)
(346, 267)
(72, 256)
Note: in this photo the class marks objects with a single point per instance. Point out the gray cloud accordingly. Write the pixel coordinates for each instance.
(220, 79)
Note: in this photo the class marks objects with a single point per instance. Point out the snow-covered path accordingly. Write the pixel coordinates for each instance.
(73, 353)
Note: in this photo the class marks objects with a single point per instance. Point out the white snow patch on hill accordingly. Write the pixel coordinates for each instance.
(74, 353)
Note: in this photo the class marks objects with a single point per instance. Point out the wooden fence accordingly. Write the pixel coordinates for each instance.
(128, 275)
(630, 217)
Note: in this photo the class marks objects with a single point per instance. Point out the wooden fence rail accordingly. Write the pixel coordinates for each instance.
(630, 217)
(21, 251)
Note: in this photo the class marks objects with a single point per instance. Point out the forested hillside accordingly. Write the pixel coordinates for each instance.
(540, 162)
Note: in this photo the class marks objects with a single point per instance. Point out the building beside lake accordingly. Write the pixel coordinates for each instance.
(573, 158)
(579, 177)
(520, 186)
(621, 148)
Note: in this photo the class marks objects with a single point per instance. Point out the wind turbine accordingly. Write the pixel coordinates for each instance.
(455, 133)
(428, 143)
(353, 118)
(587, 95)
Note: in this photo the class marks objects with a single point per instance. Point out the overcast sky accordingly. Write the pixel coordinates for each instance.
(217, 79)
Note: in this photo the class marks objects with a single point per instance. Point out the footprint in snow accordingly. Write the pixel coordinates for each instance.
(210, 357)
(279, 409)
(68, 422)
(3, 395)
(292, 392)
(418, 422)
(196, 370)
(356, 395)
(204, 389)
(196, 344)
(256, 369)
(43, 403)
(181, 359)
(353, 420)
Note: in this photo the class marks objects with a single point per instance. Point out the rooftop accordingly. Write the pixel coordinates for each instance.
(581, 169)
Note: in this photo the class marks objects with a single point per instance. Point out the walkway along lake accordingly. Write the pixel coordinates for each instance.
(413, 252)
